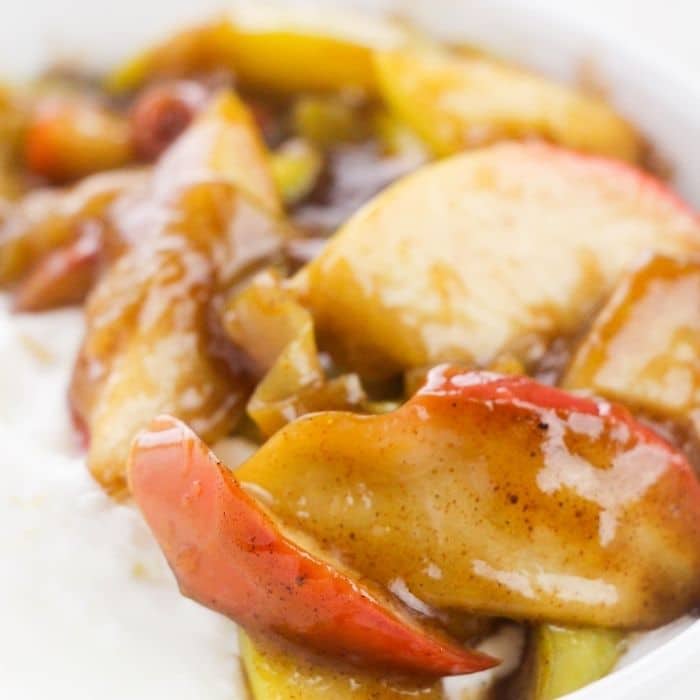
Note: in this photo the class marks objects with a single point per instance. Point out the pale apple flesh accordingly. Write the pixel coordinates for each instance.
(275, 334)
(494, 251)
(497, 496)
(644, 346)
(457, 101)
(279, 59)
(560, 660)
(228, 553)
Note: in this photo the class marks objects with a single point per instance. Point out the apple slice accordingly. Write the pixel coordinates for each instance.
(274, 672)
(154, 343)
(61, 278)
(69, 137)
(457, 101)
(561, 660)
(269, 52)
(228, 553)
(49, 218)
(223, 143)
(491, 251)
(276, 335)
(644, 346)
(497, 496)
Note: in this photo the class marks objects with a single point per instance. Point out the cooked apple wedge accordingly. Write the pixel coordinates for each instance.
(561, 660)
(48, 219)
(488, 252)
(228, 553)
(62, 278)
(274, 672)
(223, 143)
(263, 319)
(154, 341)
(13, 118)
(276, 336)
(644, 346)
(497, 496)
(69, 137)
(283, 54)
(457, 101)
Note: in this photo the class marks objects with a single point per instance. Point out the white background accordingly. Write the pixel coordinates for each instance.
(669, 26)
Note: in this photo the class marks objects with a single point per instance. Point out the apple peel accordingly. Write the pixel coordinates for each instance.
(229, 554)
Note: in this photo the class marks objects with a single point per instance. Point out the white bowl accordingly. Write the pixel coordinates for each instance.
(659, 97)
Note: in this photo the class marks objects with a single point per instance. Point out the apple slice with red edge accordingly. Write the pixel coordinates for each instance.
(497, 496)
(61, 278)
(492, 251)
(228, 553)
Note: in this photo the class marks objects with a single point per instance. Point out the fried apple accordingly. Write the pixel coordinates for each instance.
(277, 673)
(68, 138)
(154, 340)
(48, 219)
(498, 496)
(644, 346)
(457, 101)
(276, 335)
(62, 278)
(280, 54)
(560, 660)
(13, 117)
(228, 553)
(490, 252)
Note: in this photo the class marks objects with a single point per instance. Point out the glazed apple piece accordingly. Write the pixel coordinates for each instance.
(63, 277)
(297, 165)
(492, 251)
(48, 219)
(274, 672)
(13, 115)
(69, 137)
(154, 341)
(269, 54)
(228, 553)
(222, 143)
(457, 101)
(264, 318)
(561, 660)
(497, 496)
(276, 335)
(644, 346)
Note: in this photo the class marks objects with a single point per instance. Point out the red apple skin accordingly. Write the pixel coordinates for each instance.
(71, 137)
(482, 265)
(528, 502)
(62, 278)
(228, 554)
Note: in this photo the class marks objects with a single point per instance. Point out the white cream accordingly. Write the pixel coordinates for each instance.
(88, 607)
